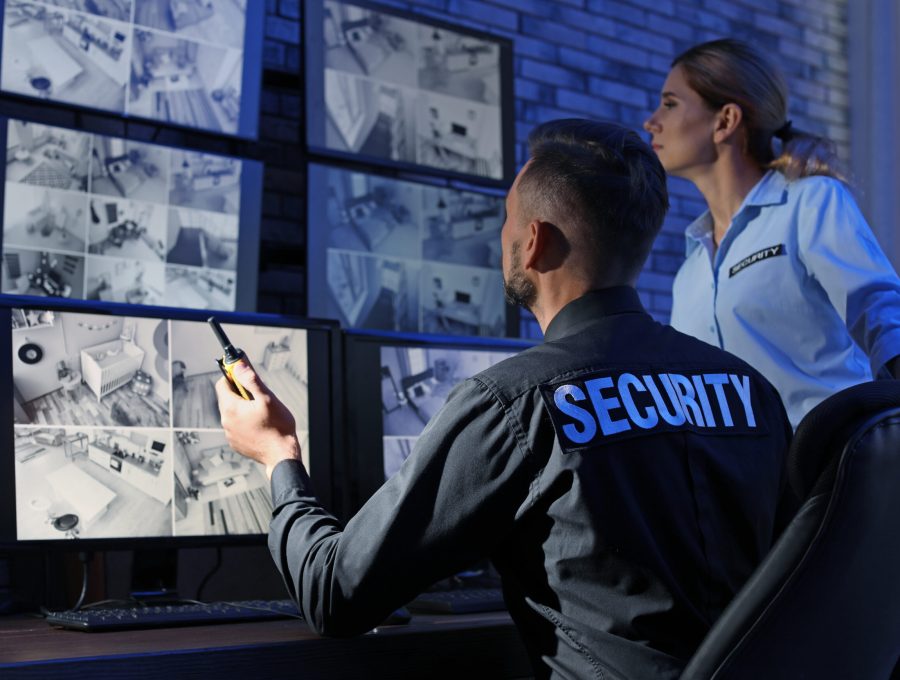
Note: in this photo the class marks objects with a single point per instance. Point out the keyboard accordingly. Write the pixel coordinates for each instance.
(133, 615)
(458, 601)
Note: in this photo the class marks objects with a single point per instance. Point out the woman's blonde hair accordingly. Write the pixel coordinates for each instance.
(731, 71)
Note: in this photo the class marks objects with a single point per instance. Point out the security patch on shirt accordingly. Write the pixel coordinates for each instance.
(758, 256)
(603, 407)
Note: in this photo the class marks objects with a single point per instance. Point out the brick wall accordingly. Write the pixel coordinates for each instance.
(600, 58)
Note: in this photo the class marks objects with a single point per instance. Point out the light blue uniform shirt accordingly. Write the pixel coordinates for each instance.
(798, 288)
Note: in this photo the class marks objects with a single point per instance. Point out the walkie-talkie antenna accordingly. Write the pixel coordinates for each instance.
(231, 354)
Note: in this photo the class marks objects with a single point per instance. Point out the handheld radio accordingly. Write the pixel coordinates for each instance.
(231, 356)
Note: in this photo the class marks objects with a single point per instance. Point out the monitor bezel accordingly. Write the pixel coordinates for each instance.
(315, 93)
(325, 438)
(254, 29)
(363, 426)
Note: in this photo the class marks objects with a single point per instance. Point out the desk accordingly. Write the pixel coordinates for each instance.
(467, 646)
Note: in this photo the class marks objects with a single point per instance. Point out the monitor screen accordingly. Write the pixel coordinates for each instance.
(396, 255)
(194, 64)
(112, 430)
(406, 90)
(95, 217)
(399, 384)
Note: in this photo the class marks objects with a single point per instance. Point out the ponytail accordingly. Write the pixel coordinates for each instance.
(804, 155)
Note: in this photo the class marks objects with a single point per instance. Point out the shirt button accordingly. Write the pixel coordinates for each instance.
(712, 329)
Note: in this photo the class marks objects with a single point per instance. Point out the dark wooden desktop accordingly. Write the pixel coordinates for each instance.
(461, 646)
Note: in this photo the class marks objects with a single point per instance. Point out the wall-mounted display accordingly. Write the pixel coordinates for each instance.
(104, 218)
(397, 255)
(194, 63)
(408, 91)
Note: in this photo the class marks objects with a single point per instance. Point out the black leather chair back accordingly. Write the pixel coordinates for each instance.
(825, 602)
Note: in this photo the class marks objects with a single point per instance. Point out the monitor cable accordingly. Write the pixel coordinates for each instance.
(209, 575)
(85, 558)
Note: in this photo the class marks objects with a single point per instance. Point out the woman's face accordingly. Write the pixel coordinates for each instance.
(682, 128)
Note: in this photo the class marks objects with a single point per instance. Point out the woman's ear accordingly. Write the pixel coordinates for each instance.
(728, 120)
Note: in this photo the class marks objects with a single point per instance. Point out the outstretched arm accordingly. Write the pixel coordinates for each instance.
(451, 502)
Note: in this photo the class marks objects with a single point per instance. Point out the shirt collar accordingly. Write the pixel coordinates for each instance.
(590, 308)
(771, 189)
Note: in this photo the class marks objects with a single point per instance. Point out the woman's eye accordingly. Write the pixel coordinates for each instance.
(668, 105)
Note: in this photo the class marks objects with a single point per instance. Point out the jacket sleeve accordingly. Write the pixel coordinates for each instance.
(839, 250)
(452, 499)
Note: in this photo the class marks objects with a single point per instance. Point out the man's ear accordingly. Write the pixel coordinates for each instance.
(728, 120)
(535, 243)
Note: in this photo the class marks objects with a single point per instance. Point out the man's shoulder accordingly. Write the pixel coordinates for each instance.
(638, 344)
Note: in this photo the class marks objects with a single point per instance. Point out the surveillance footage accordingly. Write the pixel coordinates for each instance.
(411, 91)
(116, 429)
(415, 384)
(103, 218)
(405, 256)
(179, 62)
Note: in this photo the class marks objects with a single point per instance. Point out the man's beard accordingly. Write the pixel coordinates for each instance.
(517, 288)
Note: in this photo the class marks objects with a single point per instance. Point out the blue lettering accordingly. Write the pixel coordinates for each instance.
(676, 416)
(717, 380)
(604, 405)
(686, 396)
(589, 427)
(650, 417)
(742, 386)
(704, 400)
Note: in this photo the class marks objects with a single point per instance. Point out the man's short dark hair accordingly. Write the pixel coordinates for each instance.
(599, 183)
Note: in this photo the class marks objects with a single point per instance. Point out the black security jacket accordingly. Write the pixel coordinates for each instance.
(622, 476)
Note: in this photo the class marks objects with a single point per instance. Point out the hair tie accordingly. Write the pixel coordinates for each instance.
(785, 132)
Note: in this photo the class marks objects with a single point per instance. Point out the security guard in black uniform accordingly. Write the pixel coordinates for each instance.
(622, 476)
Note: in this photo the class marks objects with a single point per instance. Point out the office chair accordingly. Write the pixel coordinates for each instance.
(825, 602)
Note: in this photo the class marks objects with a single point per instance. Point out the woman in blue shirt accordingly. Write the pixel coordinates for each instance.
(782, 270)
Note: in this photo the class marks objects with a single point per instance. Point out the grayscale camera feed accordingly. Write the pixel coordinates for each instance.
(372, 292)
(45, 156)
(415, 384)
(132, 281)
(410, 257)
(78, 482)
(128, 229)
(116, 429)
(217, 490)
(127, 169)
(462, 300)
(278, 355)
(72, 368)
(205, 182)
(103, 218)
(39, 272)
(171, 61)
(410, 91)
(186, 82)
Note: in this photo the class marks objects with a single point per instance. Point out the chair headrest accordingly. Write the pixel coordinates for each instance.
(824, 431)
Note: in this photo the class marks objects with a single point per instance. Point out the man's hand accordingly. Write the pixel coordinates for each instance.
(262, 429)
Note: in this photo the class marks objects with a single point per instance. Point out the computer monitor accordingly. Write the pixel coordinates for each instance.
(105, 218)
(193, 64)
(397, 255)
(112, 434)
(399, 382)
(409, 91)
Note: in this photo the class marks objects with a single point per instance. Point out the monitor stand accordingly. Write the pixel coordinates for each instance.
(154, 574)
